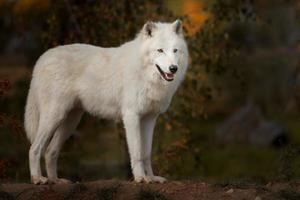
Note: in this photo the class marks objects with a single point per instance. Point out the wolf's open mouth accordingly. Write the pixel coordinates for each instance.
(166, 76)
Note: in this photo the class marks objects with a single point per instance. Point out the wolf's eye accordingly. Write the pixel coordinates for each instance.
(175, 50)
(160, 50)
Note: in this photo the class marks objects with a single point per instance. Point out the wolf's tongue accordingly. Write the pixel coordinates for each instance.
(169, 75)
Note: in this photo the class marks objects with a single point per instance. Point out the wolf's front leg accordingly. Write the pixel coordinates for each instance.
(147, 126)
(133, 136)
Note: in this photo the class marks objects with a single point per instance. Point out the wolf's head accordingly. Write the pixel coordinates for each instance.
(164, 50)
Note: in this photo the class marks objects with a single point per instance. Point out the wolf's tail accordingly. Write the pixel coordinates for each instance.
(31, 120)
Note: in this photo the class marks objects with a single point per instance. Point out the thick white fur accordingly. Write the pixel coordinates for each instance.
(113, 83)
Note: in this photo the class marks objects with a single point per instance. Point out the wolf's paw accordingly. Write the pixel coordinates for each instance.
(158, 179)
(60, 181)
(39, 180)
(150, 179)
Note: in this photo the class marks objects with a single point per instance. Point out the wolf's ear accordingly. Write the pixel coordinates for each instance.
(177, 26)
(149, 28)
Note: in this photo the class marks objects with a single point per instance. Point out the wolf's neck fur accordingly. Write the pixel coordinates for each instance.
(153, 87)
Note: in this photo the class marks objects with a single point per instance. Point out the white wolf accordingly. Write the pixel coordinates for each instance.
(134, 82)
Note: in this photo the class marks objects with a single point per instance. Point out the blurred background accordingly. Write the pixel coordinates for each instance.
(235, 117)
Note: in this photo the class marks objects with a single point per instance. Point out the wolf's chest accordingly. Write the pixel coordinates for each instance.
(153, 100)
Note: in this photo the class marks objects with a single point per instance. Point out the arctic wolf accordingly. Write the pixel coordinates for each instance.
(134, 82)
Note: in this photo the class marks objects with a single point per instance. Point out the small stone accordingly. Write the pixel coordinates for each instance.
(178, 182)
(230, 191)
(269, 184)
(257, 198)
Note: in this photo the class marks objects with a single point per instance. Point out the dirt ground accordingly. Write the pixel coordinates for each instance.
(173, 190)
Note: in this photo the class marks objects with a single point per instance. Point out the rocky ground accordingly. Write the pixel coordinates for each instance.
(173, 190)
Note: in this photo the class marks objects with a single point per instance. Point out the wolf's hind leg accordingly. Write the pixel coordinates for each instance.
(63, 132)
(50, 118)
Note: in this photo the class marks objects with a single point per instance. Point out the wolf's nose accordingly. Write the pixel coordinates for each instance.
(173, 69)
